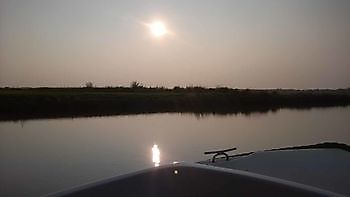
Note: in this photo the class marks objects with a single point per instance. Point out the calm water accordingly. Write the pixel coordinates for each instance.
(42, 156)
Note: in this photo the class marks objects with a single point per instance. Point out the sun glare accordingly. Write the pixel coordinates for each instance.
(158, 29)
(155, 155)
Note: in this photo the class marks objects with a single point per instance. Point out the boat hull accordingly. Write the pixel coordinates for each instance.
(194, 180)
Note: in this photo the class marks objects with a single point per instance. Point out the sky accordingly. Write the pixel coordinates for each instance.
(235, 43)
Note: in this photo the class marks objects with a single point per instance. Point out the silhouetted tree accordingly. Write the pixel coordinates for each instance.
(136, 84)
(89, 84)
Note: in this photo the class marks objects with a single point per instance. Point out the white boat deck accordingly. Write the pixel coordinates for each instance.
(185, 179)
(323, 168)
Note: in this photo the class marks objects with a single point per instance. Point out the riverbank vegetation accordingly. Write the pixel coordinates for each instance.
(27, 103)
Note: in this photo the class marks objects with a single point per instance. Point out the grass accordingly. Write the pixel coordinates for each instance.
(28, 103)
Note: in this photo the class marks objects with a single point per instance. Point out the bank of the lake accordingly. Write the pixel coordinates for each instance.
(27, 103)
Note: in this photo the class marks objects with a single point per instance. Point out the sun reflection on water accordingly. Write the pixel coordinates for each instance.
(155, 155)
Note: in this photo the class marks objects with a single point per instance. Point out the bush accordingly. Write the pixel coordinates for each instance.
(89, 84)
(136, 84)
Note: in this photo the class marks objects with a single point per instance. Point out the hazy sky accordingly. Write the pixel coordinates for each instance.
(236, 43)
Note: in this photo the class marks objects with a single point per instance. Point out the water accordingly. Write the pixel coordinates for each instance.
(42, 156)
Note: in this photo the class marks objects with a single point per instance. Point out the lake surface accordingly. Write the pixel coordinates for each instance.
(42, 156)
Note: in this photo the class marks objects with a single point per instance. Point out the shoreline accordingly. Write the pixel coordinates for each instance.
(36, 103)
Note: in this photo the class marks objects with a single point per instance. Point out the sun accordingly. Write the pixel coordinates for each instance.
(158, 29)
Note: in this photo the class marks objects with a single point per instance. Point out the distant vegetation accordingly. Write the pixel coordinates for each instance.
(89, 84)
(26, 103)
